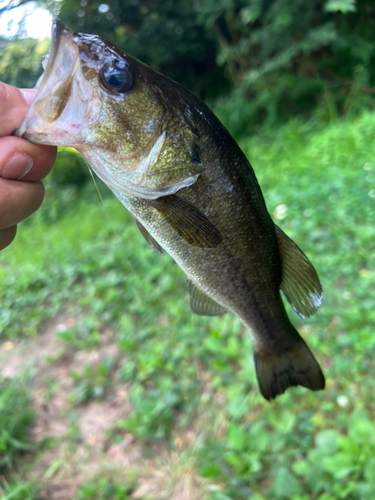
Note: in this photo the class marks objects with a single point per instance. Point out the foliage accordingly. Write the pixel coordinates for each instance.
(346, 463)
(92, 382)
(332, 466)
(19, 490)
(15, 418)
(106, 489)
(70, 169)
(194, 376)
(20, 61)
(287, 58)
(167, 35)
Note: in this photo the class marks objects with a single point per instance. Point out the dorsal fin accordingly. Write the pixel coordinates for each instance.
(201, 303)
(300, 282)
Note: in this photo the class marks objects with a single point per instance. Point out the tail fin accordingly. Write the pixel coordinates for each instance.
(279, 371)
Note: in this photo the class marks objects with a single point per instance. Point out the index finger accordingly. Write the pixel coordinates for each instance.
(13, 107)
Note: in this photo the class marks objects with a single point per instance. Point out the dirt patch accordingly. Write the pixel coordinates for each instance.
(21, 355)
(82, 448)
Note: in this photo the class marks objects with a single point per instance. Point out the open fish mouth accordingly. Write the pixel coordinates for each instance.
(54, 90)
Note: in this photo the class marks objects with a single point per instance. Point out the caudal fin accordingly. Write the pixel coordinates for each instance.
(279, 371)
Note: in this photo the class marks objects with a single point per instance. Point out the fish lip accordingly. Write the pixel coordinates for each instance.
(58, 29)
(57, 32)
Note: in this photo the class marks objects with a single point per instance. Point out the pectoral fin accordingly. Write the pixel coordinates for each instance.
(202, 304)
(147, 236)
(189, 222)
(300, 282)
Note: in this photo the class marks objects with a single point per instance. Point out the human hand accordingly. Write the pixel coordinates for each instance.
(22, 164)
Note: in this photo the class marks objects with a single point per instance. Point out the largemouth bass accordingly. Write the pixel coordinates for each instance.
(190, 190)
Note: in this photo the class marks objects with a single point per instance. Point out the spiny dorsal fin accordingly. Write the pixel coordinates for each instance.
(202, 304)
(300, 282)
(147, 236)
(189, 222)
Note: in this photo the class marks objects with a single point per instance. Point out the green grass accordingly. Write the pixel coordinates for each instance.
(19, 490)
(16, 416)
(105, 489)
(188, 372)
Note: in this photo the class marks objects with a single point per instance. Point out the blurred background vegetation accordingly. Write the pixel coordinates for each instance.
(259, 61)
(92, 316)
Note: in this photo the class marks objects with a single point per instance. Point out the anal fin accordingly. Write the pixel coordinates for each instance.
(188, 221)
(300, 282)
(202, 304)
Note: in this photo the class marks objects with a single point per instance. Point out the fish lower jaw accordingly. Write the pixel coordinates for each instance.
(36, 129)
(51, 139)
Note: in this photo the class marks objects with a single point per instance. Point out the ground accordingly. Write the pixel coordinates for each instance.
(83, 450)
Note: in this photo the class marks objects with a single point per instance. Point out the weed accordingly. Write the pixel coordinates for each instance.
(19, 490)
(106, 489)
(93, 381)
(16, 416)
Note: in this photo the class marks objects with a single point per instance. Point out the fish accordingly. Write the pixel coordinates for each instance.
(189, 188)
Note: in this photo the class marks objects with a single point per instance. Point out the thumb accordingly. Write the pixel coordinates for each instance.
(29, 95)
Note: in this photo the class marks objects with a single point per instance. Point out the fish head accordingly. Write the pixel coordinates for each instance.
(113, 109)
(92, 93)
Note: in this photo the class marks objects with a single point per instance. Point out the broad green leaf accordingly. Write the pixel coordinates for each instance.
(285, 484)
(327, 442)
(340, 5)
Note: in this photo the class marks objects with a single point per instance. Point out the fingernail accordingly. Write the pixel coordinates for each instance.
(17, 166)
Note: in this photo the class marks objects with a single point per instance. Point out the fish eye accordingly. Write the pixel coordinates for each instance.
(116, 76)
